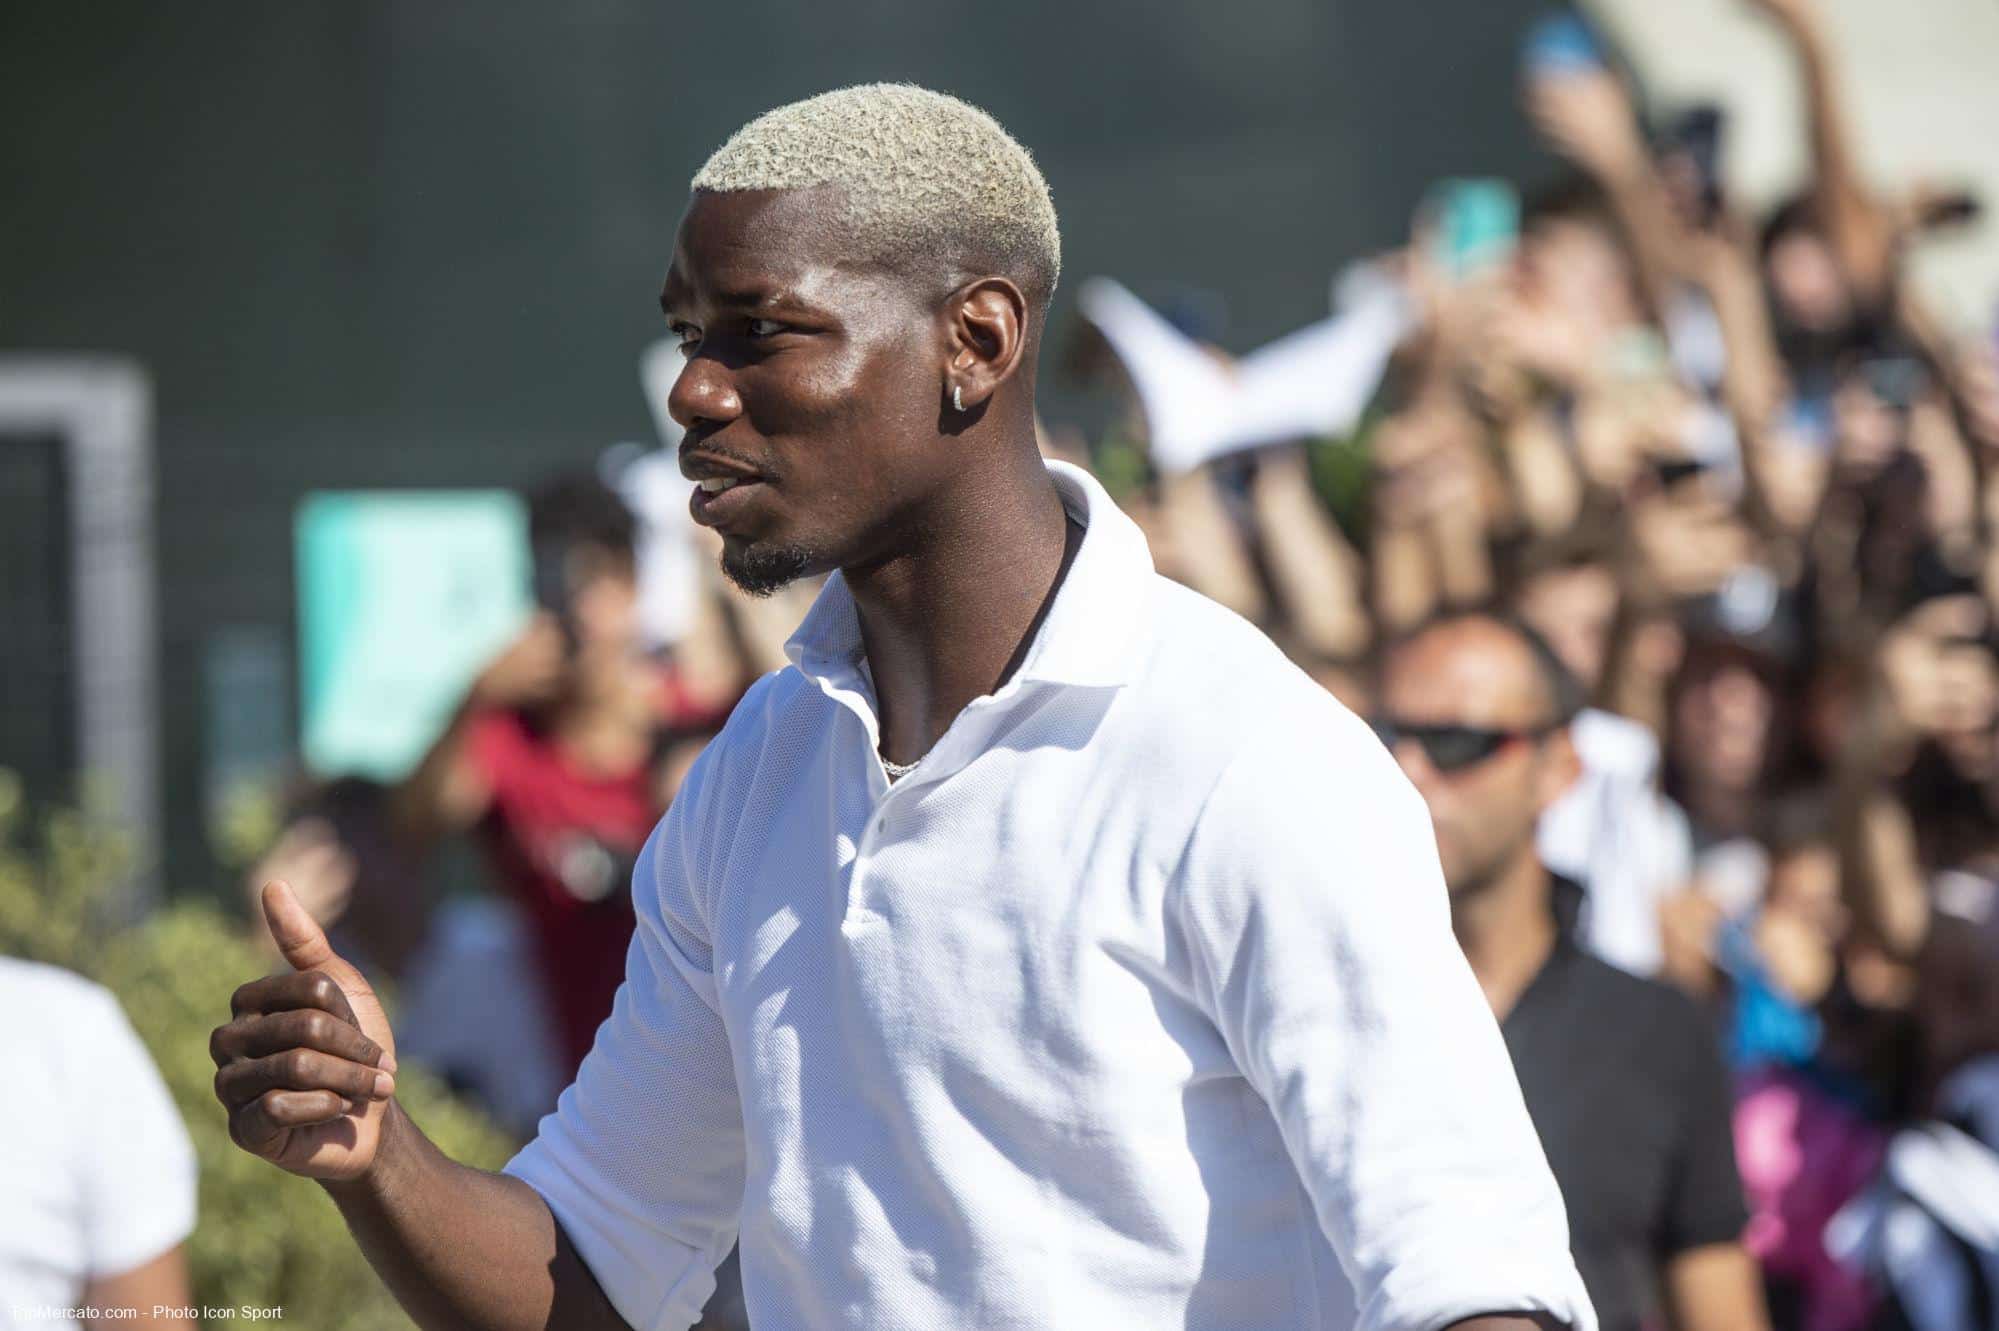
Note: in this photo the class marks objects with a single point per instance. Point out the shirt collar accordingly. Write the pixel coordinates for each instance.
(1089, 636)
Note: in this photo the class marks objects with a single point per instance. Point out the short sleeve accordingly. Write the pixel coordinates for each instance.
(1704, 1203)
(138, 1168)
(642, 1161)
(1315, 907)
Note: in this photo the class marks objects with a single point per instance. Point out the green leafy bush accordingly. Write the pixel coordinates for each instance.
(264, 1238)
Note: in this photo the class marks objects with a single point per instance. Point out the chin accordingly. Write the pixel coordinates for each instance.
(761, 568)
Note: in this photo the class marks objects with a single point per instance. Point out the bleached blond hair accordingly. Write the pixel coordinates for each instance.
(921, 174)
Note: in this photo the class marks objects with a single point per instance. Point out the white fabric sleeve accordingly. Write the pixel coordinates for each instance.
(642, 1160)
(1317, 919)
(137, 1165)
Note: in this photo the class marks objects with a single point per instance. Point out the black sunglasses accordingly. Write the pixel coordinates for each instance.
(1454, 748)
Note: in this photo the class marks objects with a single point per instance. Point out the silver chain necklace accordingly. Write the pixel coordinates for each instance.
(895, 770)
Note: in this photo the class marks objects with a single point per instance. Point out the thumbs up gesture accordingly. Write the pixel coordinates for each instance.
(306, 1067)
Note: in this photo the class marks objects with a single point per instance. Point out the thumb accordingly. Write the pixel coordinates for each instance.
(300, 938)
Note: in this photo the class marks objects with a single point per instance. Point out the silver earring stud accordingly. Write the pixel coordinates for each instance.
(958, 397)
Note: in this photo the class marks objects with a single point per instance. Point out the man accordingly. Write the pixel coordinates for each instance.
(1042, 951)
(1620, 1074)
(99, 1173)
(554, 758)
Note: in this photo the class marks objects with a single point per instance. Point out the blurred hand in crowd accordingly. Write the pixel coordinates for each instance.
(1685, 538)
(1791, 15)
(309, 855)
(530, 670)
(1586, 115)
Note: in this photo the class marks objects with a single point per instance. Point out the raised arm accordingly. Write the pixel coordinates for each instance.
(1857, 225)
(1317, 573)
(446, 791)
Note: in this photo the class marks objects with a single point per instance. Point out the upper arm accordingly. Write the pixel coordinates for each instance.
(1316, 912)
(138, 1169)
(160, 1283)
(642, 1161)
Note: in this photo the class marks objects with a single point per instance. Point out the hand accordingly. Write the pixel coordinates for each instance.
(1794, 15)
(1586, 116)
(306, 1067)
(530, 670)
(311, 859)
(1685, 544)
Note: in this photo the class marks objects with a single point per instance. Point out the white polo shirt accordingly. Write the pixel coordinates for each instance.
(1135, 1005)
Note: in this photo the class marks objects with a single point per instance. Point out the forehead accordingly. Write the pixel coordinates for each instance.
(1465, 674)
(758, 247)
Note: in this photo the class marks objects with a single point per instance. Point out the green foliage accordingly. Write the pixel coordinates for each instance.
(265, 1238)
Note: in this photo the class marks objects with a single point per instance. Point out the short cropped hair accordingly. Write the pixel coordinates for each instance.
(924, 175)
(1559, 686)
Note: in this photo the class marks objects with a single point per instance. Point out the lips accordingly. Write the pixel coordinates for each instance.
(721, 495)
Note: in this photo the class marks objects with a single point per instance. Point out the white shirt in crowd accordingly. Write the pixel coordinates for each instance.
(96, 1172)
(1135, 1005)
(1620, 838)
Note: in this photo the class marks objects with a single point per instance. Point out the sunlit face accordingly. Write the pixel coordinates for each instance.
(1576, 268)
(1723, 723)
(811, 391)
(1482, 677)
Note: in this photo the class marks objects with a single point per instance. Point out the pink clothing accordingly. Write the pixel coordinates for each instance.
(1803, 1155)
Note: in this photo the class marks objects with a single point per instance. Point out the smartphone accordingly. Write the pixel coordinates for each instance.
(1896, 380)
(552, 589)
(1560, 43)
(1674, 471)
(1476, 222)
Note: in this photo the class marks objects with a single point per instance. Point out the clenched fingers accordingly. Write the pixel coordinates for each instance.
(238, 1083)
(255, 1125)
(256, 1036)
(281, 993)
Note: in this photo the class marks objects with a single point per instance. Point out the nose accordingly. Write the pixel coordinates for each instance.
(704, 394)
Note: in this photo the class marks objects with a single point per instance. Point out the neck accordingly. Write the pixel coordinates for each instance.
(1507, 929)
(945, 621)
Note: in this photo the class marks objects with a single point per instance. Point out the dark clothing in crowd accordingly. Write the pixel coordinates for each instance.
(1625, 1085)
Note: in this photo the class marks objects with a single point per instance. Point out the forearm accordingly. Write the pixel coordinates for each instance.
(464, 1249)
(438, 796)
(1318, 575)
(1216, 564)
(1856, 226)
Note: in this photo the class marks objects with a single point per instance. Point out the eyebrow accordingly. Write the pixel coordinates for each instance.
(746, 298)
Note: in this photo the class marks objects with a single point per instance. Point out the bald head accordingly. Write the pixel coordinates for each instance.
(922, 179)
(1474, 708)
(1494, 669)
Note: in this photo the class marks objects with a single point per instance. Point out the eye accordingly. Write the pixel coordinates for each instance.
(765, 327)
(689, 336)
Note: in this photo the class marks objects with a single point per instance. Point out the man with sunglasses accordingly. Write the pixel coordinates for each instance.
(1620, 1074)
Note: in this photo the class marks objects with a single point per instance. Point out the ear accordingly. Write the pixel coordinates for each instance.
(1558, 770)
(986, 339)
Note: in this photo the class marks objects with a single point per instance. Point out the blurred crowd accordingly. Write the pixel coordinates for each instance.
(1739, 480)
(1724, 472)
